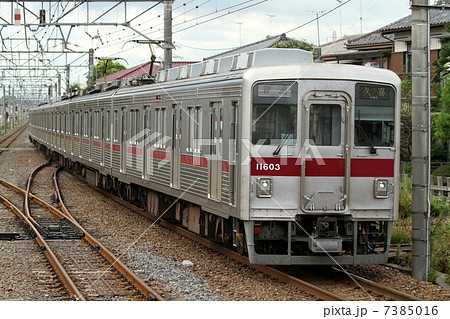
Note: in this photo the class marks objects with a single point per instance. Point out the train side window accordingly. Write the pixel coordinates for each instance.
(69, 122)
(107, 127)
(160, 127)
(134, 126)
(129, 118)
(63, 123)
(147, 122)
(190, 137)
(75, 124)
(197, 128)
(325, 124)
(96, 126)
(116, 127)
(194, 128)
(137, 126)
(85, 126)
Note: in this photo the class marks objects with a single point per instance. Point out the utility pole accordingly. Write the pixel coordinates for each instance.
(67, 79)
(91, 69)
(317, 13)
(420, 139)
(59, 85)
(168, 34)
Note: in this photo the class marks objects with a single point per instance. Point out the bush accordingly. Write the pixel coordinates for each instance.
(439, 207)
(440, 245)
(444, 171)
(405, 197)
(401, 233)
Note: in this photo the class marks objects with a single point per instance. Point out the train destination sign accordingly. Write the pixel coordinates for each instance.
(374, 93)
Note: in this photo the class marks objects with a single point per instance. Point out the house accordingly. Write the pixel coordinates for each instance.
(390, 46)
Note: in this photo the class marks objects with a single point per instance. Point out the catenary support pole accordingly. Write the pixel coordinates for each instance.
(168, 34)
(91, 69)
(420, 140)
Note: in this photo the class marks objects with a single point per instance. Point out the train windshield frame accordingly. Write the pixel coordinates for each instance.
(374, 115)
(274, 113)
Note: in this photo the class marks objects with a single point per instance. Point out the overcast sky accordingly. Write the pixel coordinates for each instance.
(204, 28)
(279, 16)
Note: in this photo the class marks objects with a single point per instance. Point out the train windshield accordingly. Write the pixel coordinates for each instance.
(274, 113)
(374, 115)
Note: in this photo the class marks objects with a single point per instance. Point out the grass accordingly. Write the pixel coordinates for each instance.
(439, 232)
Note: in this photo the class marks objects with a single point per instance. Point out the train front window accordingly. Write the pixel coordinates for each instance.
(325, 124)
(274, 113)
(374, 115)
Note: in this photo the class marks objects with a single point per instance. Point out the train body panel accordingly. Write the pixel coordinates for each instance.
(293, 164)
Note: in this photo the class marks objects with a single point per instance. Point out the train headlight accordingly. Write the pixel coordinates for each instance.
(264, 187)
(381, 188)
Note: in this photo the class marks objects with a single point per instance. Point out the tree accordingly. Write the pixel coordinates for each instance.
(442, 64)
(442, 120)
(442, 81)
(74, 87)
(294, 44)
(111, 67)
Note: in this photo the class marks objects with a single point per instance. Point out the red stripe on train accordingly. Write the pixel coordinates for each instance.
(160, 155)
(331, 167)
(194, 161)
(134, 150)
(225, 167)
(372, 167)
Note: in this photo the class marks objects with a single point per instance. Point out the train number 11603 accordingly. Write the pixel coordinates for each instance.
(267, 167)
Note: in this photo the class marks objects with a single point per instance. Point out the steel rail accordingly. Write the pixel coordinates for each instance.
(54, 262)
(12, 137)
(383, 290)
(115, 262)
(305, 286)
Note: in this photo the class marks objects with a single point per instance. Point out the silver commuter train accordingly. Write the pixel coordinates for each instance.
(290, 161)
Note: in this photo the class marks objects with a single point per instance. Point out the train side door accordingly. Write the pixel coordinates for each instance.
(325, 169)
(175, 155)
(215, 154)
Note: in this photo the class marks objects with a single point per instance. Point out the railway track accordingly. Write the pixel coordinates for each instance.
(366, 289)
(12, 227)
(86, 268)
(7, 139)
(318, 293)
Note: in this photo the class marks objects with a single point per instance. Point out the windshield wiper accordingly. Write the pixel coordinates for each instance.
(278, 149)
(373, 150)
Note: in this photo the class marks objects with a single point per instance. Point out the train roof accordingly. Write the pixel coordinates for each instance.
(267, 63)
(243, 61)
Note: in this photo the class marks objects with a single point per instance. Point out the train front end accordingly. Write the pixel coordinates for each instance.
(320, 156)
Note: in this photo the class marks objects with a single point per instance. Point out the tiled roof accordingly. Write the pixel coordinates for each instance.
(139, 70)
(371, 39)
(263, 44)
(437, 17)
(338, 46)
